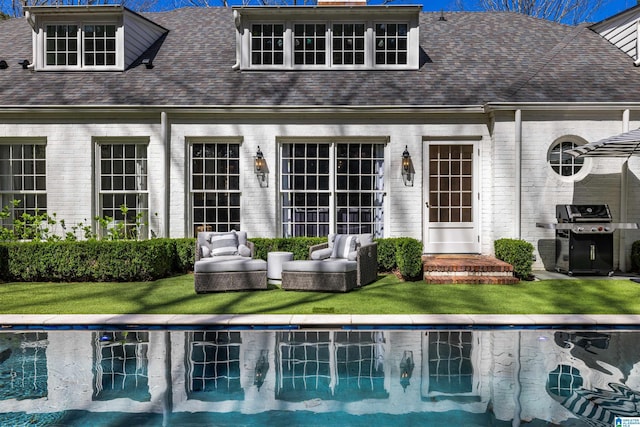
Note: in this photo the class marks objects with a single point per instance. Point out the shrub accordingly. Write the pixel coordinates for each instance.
(518, 253)
(635, 256)
(185, 249)
(409, 257)
(387, 254)
(299, 246)
(89, 261)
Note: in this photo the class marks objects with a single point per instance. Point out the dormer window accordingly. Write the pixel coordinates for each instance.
(327, 37)
(75, 45)
(101, 38)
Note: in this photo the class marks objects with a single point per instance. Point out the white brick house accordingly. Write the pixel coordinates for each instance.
(166, 113)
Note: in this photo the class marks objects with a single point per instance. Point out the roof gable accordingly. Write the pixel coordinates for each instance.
(622, 31)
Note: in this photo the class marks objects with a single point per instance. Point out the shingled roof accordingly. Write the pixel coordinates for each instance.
(472, 58)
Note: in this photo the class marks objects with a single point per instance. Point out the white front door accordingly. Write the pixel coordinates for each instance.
(451, 198)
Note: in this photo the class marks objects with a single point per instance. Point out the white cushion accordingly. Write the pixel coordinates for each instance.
(244, 250)
(224, 243)
(321, 253)
(236, 263)
(205, 251)
(343, 245)
(315, 266)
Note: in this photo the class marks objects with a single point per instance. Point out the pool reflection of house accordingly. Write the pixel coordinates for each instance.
(511, 374)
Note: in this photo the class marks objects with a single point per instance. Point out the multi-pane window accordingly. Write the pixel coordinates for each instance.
(563, 163)
(214, 366)
(62, 45)
(451, 183)
(359, 188)
(23, 177)
(391, 44)
(121, 366)
(305, 190)
(99, 45)
(24, 373)
(78, 45)
(215, 186)
(314, 205)
(360, 363)
(267, 44)
(348, 41)
(564, 381)
(450, 365)
(305, 366)
(309, 44)
(123, 190)
(358, 44)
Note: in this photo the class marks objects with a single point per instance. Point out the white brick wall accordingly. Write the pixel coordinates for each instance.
(70, 151)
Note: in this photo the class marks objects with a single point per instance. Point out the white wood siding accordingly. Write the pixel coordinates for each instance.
(622, 32)
(139, 35)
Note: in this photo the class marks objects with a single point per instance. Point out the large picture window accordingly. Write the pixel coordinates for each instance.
(215, 186)
(22, 178)
(314, 205)
(123, 189)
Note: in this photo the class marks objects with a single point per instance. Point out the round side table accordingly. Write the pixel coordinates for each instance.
(274, 264)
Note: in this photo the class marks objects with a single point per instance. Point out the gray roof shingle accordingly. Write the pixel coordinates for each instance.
(469, 59)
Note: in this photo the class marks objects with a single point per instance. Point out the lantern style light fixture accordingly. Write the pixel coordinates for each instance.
(407, 168)
(260, 168)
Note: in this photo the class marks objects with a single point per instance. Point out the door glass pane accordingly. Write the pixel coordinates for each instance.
(450, 183)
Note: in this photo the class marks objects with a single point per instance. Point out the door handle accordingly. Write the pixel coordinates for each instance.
(426, 204)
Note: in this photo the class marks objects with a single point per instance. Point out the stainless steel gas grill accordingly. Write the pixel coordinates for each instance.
(584, 239)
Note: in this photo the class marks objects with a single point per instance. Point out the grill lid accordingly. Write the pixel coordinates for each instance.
(583, 213)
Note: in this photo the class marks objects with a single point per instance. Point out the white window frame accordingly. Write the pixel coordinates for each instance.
(8, 194)
(141, 177)
(81, 24)
(191, 141)
(585, 162)
(290, 17)
(333, 192)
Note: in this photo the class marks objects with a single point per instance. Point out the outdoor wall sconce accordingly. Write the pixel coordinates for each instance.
(3, 65)
(260, 168)
(407, 168)
(406, 369)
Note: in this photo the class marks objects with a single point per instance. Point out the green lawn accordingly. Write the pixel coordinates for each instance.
(386, 296)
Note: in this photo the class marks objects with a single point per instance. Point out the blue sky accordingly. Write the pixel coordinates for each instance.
(611, 8)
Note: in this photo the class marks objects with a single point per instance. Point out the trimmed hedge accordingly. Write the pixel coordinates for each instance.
(299, 246)
(403, 254)
(130, 260)
(635, 256)
(518, 253)
(88, 261)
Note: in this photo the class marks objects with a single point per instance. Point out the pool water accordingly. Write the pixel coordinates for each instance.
(305, 377)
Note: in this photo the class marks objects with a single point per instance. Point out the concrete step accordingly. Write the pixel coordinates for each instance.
(464, 268)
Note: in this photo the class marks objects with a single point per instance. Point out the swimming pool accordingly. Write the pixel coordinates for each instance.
(305, 377)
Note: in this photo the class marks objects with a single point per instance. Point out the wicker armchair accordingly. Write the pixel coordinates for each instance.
(224, 262)
(366, 261)
(329, 271)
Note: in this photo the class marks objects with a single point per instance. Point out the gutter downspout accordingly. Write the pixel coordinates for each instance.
(164, 136)
(624, 173)
(518, 174)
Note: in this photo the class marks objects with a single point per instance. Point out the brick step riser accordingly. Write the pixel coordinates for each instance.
(486, 280)
(469, 273)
